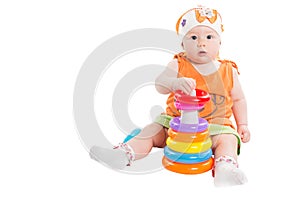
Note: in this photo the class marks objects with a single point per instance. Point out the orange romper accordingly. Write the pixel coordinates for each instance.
(219, 85)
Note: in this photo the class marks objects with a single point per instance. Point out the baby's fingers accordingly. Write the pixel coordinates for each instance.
(192, 83)
(185, 88)
(189, 85)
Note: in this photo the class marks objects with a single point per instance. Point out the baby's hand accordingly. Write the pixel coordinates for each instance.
(244, 133)
(186, 85)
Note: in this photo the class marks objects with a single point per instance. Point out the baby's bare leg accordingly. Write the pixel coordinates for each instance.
(224, 144)
(153, 135)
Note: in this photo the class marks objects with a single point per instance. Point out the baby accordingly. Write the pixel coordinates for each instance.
(198, 67)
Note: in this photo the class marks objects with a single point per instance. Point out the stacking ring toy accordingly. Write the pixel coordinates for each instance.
(188, 137)
(187, 158)
(201, 97)
(191, 128)
(197, 168)
(185, 106)
(183, 147)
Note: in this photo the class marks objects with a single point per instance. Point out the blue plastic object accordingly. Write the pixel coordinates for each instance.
(133, 133)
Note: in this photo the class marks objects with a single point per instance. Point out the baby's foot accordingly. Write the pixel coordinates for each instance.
(115, 158)
(227, 174)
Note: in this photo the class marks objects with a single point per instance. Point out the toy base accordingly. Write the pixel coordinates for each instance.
(197, 168)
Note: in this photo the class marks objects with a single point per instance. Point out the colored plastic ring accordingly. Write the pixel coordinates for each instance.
(188, 137)
(176, 125)
(197, 168)
(185, 106)
(201, 97)
(183, 147)
(187, 158)
(133, 133)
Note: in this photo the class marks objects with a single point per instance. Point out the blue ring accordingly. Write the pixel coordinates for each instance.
(177, 126)
(187, 158)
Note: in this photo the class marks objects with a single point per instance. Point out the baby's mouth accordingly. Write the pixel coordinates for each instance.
(202, 53)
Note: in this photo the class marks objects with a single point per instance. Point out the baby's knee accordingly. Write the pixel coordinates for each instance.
(224, 139)
(151, 132)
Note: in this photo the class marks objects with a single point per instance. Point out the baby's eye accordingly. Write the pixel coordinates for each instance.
(194, 37)
(209, 37)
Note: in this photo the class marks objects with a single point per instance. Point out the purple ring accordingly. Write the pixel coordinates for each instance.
(185, 106)
(190, 128)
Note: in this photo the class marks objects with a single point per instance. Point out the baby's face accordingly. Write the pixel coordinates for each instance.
(201, 44)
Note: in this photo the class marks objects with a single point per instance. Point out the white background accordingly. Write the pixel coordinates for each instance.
(42, 47)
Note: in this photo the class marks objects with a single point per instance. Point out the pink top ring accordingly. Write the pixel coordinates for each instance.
(201, 97)
(186, 106)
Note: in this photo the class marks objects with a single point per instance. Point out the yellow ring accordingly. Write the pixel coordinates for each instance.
(194, 147)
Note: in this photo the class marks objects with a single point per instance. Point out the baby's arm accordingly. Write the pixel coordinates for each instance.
(168, 80)
(240, 108)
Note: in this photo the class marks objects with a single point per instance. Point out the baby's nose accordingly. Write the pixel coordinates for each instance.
(201, 43)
